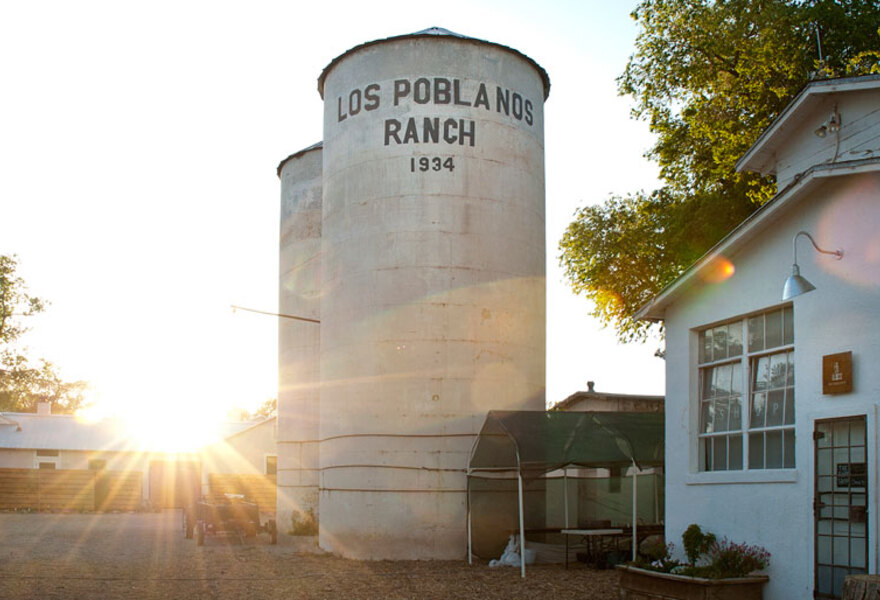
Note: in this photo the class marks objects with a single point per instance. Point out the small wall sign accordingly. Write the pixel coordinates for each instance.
(837, 373)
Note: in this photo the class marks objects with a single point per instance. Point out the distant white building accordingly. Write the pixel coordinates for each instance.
(61, 442)
(593, 401)
(772, 401)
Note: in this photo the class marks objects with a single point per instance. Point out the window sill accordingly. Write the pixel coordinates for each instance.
(755, 476)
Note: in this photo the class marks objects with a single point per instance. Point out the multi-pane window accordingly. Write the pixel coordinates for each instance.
(756, 355)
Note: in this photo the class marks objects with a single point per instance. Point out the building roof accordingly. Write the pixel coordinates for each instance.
(433, 32)
(761, 156)
(248, 425)
(756, 223)
(592, 394)
(756, 159)
(30, 431)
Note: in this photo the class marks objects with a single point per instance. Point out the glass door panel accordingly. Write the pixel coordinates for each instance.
(840, 502)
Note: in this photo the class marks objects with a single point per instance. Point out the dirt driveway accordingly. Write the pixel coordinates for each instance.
(145, 556)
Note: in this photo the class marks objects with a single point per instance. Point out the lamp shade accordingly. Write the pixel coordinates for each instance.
(796, 285)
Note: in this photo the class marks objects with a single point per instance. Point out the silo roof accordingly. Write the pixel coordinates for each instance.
(436, 32)
(315, 146)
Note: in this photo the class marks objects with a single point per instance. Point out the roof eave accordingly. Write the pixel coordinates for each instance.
(758, 157)
(655, 309)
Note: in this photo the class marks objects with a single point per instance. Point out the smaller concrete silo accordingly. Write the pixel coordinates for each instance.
(299, 340)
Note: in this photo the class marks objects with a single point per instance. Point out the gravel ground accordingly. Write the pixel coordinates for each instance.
(145, 556)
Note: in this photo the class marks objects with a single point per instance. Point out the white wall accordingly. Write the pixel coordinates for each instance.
(774, 508)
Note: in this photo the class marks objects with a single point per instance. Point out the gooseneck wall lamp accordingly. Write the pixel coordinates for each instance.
(796, 285)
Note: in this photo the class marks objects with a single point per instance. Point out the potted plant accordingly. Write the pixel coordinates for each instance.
(715, 570)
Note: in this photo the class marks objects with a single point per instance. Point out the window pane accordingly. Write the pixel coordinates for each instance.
(756, 451)
(841, 434)
(773, 450)
(734, 339)
(721, 414)
(825, 437)
(825, 581)
(706, 377)
(706, 453)
(735, 452)
(735, 414)
(857, 553)
(759, 409)
(840, 574)
(719, 459)
(707, 420)
(719, 343)
(789, 378)
(778, 366)
(773, 329)
(788, 325)
(761, 373)
(775, 401)
(722, 380)
(736, 382)
(756, 333)
(788, 449)
(706, 346)
(857, 435)
(823, 552)
(789, 407)
(824, 461)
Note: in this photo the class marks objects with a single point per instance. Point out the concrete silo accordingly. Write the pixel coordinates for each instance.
(299, 340)
(432, 300)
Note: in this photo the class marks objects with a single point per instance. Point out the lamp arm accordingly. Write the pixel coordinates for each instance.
(838, 254)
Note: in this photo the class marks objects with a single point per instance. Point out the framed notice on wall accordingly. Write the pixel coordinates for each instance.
(837, 373)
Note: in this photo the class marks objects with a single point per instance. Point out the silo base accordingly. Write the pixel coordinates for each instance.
(394, 525)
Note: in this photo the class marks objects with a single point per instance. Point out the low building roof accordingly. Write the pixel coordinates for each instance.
(30, 431)
(592, 394)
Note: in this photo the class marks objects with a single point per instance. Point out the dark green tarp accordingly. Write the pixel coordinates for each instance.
(538, 442)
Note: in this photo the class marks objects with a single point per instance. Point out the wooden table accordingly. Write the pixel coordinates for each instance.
(586, 534)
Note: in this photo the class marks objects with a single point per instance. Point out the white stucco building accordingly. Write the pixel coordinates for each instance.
(772, 403)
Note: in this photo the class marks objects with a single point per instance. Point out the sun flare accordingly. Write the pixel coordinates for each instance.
(171, 430)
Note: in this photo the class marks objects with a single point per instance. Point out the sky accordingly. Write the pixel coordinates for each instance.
(138, 150)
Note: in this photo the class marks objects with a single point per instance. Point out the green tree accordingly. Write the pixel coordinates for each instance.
(266, 409)
(709, 77)
(22, 383)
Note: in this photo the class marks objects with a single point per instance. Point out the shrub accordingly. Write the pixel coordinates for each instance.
(303, 523)
(696, 543)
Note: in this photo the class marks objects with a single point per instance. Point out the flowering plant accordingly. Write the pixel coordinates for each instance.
(727, 559)
(709, 558)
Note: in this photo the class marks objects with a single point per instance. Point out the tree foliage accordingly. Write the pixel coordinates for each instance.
(709, 77)
(22, 383)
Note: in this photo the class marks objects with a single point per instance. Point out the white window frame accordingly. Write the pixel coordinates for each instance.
(743, 365)
(47, 457)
